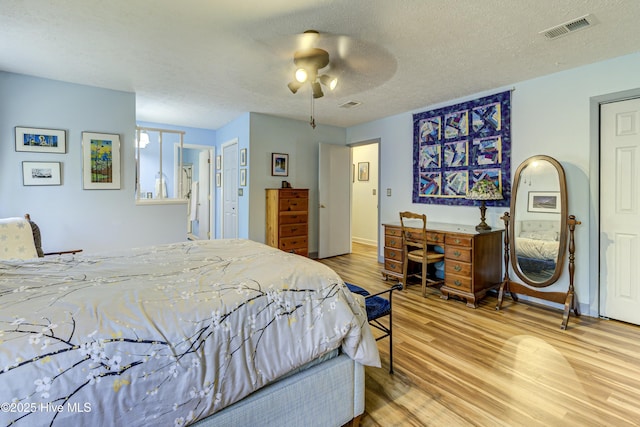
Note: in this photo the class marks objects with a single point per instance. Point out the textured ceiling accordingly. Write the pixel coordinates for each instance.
(203, 63)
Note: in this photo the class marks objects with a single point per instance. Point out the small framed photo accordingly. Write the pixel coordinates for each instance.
(100, 161)
(243, 157)
(243, 177)
(544, 201)
(363, 171)
(279, 164)
(41, 173)
(41, 140)
(218, 179)
(218, 162)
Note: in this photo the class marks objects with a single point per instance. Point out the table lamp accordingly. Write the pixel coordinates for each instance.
(484, 190)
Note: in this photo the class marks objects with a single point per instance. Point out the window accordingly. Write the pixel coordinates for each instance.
(158, 165)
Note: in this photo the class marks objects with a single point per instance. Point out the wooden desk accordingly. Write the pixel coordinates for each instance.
(472, 264)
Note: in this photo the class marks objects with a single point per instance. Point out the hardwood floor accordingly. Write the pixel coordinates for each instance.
(458, 366)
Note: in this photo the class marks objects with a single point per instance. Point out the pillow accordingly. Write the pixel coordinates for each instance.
(540, 235)
(16, 239)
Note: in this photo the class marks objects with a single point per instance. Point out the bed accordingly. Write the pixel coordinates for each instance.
(537, 247)
(222, 332)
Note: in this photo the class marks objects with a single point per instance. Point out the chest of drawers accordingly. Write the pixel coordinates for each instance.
(473, 260)
(287, 218)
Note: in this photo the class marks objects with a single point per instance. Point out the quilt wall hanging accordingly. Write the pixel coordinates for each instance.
(456, 146)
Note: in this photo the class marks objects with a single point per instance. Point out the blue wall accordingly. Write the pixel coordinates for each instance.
(69, 216)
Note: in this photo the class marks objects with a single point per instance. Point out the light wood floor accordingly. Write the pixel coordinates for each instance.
(456, 366)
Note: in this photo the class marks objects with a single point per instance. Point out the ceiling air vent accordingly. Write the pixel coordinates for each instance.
(350, 104)
(569, 27)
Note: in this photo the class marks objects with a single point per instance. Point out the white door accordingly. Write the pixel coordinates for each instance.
(620, 219)
(334, 189)
(187, 183)
(204, 203)
(230, 190)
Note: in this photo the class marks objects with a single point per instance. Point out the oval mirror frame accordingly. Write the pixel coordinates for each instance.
(562, 236)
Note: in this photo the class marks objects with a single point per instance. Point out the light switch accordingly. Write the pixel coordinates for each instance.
(388, 192)
(374, 191)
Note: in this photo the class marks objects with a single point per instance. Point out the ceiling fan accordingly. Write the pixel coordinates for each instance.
(309, 62)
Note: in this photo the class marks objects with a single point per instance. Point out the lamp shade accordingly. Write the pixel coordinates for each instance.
(484, 189)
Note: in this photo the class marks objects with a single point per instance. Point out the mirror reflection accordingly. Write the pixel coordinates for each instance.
(536, 222)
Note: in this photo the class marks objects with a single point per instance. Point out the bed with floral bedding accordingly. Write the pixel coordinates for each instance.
(165, 335)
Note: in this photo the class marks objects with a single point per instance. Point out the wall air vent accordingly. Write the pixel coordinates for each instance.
(350, 104)
(569, 27)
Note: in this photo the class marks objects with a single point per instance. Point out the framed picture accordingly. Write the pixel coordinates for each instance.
(41, 140)
(363, 171)
(218, 179)
(100, 161)
(243, 157)
(541, 201)
(218, 162)
(243, 177)
(41, 173)
(279, 164)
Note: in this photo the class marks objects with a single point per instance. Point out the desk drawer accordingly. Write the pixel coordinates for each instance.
(393, 253)
(457, 268)
(457, 253)
(458, 282)
(393, 231)
(392, 265)
(435, 238)
(393, 241)
(459, 240)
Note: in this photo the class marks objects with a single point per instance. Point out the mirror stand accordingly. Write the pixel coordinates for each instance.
(569, 298)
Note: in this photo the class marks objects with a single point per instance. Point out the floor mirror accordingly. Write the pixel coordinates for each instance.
(538, 234)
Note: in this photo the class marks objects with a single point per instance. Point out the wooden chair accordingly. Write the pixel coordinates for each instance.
(377, 308)
(416, 249)
(37, 240)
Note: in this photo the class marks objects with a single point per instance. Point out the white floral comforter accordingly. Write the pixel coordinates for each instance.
(164, 335)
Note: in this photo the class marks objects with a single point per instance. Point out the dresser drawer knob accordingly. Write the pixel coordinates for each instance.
(457, 253)
(457, 241)
(457, 267)
(457, 282)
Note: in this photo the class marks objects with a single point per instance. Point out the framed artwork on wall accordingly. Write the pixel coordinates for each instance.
(544, 201)
(279, 164)
(218, 179)
(218, 162)
(100, 161)
(243, 177)
(41, 173)
(41, 140)
(363, 171)
(243, 157)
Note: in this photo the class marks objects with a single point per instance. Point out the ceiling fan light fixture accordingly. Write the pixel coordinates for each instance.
(329, 81)
(301, 75)
(317, 89)
(294, 86)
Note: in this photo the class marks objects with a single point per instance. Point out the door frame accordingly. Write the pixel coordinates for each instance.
(379, 226)
(596, 291)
